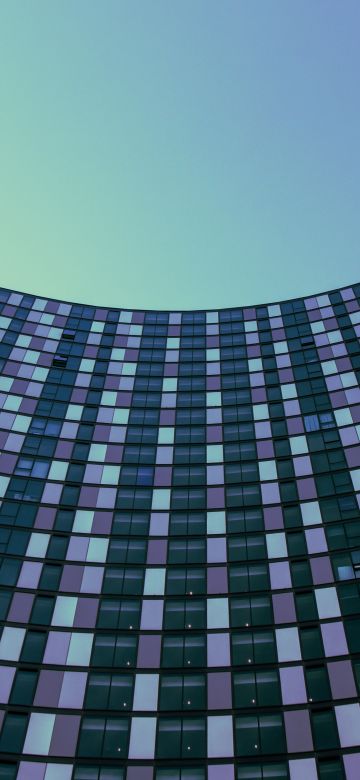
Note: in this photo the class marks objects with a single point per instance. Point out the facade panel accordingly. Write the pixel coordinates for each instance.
(180, 541)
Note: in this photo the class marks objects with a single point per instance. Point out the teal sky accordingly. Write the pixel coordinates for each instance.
(179, 154)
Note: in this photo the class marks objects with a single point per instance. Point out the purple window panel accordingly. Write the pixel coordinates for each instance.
(217, 579)
(57, 647)
(167, 417)
(215, 498)
(270, 493)
(273, 518)
(258, 395)
(73, 690)
(71, 578)
(221, 772)
(77, 549)
(292, 408)
(93, 473)
(92, 579)
(7, 463)
(163, 476)
(348, 723)
(149, 651)
(353, 456)
(218, 649)
(293, 689)
(213, 434)
(7, 674)
(106, 498)
(348, 436)
(265, 449)
(52, 493)
(157, 551)
(302, 466)
(352, 766)
(102, 523)
(30, 574)
(140, 773)
(86, 613)
(216, 549)
(334, 639)
(316, 540)
(284, 608)
(29, 770)
(213, 416)
(321, 570)
(341, 680)
(48, 688)
(21, 606)
(164, 455)
(306, 488)
(219, 691)
(88, 497)
(294, 426)
(65, 734)
(152, 614)
(298, 731)
(45, 518)
(280, 575)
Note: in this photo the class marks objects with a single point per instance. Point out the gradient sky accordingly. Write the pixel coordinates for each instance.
(179, 154)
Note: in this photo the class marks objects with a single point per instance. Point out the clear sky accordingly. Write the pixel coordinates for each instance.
(179, 154)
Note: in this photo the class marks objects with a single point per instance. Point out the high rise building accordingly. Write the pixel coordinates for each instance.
(180, 541)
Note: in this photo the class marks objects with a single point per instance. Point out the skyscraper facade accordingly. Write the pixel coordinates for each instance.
(180, 541)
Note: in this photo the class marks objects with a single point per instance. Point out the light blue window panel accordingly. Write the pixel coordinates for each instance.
(21, 423)
(83, 521)
(218, 613)
(97, 453)
(58, 470)
(7, 674)
(87, 365)
(39, 733)
(12, 403)
(267, 469)
(327, 603)
(64, 612)
(261, 412)
(216, 522)
(348, 723)
(154, 582)
(288, 391)
(74, 412)
(31, 356)
(4, 481)
(97, 326)
(213, 399)
(355, 477)
(117, 353)
(73, 690)
(142, 738)
(11, 643)
(166, 435)
(129, 369)
(121, 416)
(276, 545)
(288, 645)
(146, 692)
(213, 354)
(92, 579)
(110, 475)
(220, 736)
(311, 513)
(38, 545)
(298, 445)
(108, 398)
(343, 417)
(214, 453)
(169, 384)
(97, 550)
(5, 383)
(161, 499)
(58, 772)
(40, 374)
(79, 649)
(255, 364)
